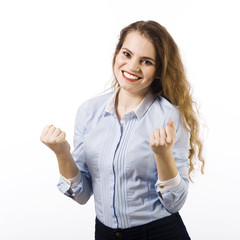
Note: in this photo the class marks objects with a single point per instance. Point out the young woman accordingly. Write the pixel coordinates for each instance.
(134, 148)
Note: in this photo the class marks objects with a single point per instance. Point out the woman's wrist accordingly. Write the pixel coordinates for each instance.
(166, 165)
(67, 166)
(63, 156)
(164, 155)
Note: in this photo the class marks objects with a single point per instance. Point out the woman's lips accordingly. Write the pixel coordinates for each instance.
(130, 77)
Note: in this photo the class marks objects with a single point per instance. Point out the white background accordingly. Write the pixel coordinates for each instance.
(56, 54)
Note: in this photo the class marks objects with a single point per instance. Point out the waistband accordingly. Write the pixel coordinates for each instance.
(141, 230)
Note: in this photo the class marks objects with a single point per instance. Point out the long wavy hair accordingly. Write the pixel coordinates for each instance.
(171, 82)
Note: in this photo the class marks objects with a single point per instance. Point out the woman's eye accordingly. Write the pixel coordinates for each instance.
(126, 54)
(146, 62)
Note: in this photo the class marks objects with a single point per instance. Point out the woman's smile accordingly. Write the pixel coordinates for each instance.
(130, 77)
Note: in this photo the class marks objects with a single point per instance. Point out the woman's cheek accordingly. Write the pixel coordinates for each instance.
(119, 60)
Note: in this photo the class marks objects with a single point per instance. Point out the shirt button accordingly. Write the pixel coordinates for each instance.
(118, 234)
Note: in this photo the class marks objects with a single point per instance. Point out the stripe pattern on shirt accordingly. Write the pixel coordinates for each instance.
(120, 202)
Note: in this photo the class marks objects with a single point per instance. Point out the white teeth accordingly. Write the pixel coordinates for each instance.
(130, 76)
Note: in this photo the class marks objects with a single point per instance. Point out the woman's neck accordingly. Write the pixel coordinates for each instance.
(126, 102)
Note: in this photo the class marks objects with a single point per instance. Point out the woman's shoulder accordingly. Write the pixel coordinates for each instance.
(97, 101)
(170, 111)
(165, 104)
(95, 104)
(163, 108)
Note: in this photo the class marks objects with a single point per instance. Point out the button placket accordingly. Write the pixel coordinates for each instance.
(123, 121)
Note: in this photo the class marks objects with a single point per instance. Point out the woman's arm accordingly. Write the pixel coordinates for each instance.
(171, 147)
(161, 142)
(55, 139)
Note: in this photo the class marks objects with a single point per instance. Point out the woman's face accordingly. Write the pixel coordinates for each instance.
(135, 64)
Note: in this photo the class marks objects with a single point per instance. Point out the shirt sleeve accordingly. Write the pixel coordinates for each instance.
(72, 182)
(173, 193)
(81, 184)
(164, 186)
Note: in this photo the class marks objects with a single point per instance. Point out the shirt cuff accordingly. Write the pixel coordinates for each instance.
(164, 186)
(72, 182)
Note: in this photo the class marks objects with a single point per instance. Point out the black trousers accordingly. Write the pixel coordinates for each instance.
(168, 228)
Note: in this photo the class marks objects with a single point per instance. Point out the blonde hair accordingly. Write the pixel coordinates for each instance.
(171, 82)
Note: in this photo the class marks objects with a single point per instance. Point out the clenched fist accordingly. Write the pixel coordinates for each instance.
(163, 139)
(55, 139)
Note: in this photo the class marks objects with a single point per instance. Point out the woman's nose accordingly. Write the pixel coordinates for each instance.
(133, 65)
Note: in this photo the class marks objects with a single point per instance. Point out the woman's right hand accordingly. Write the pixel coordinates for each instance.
(55, 139)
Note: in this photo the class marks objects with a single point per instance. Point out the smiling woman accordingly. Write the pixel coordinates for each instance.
(134, 66)
(135, 146)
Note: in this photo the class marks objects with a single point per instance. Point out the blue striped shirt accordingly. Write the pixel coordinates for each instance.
(117, 165)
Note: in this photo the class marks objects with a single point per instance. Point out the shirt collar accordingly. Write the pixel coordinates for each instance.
(142, 108)
(139, 111)
(110, 108)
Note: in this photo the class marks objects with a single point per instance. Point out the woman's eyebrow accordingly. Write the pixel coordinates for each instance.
(142, 56)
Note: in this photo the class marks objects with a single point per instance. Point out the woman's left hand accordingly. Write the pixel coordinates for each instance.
(163, 139)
